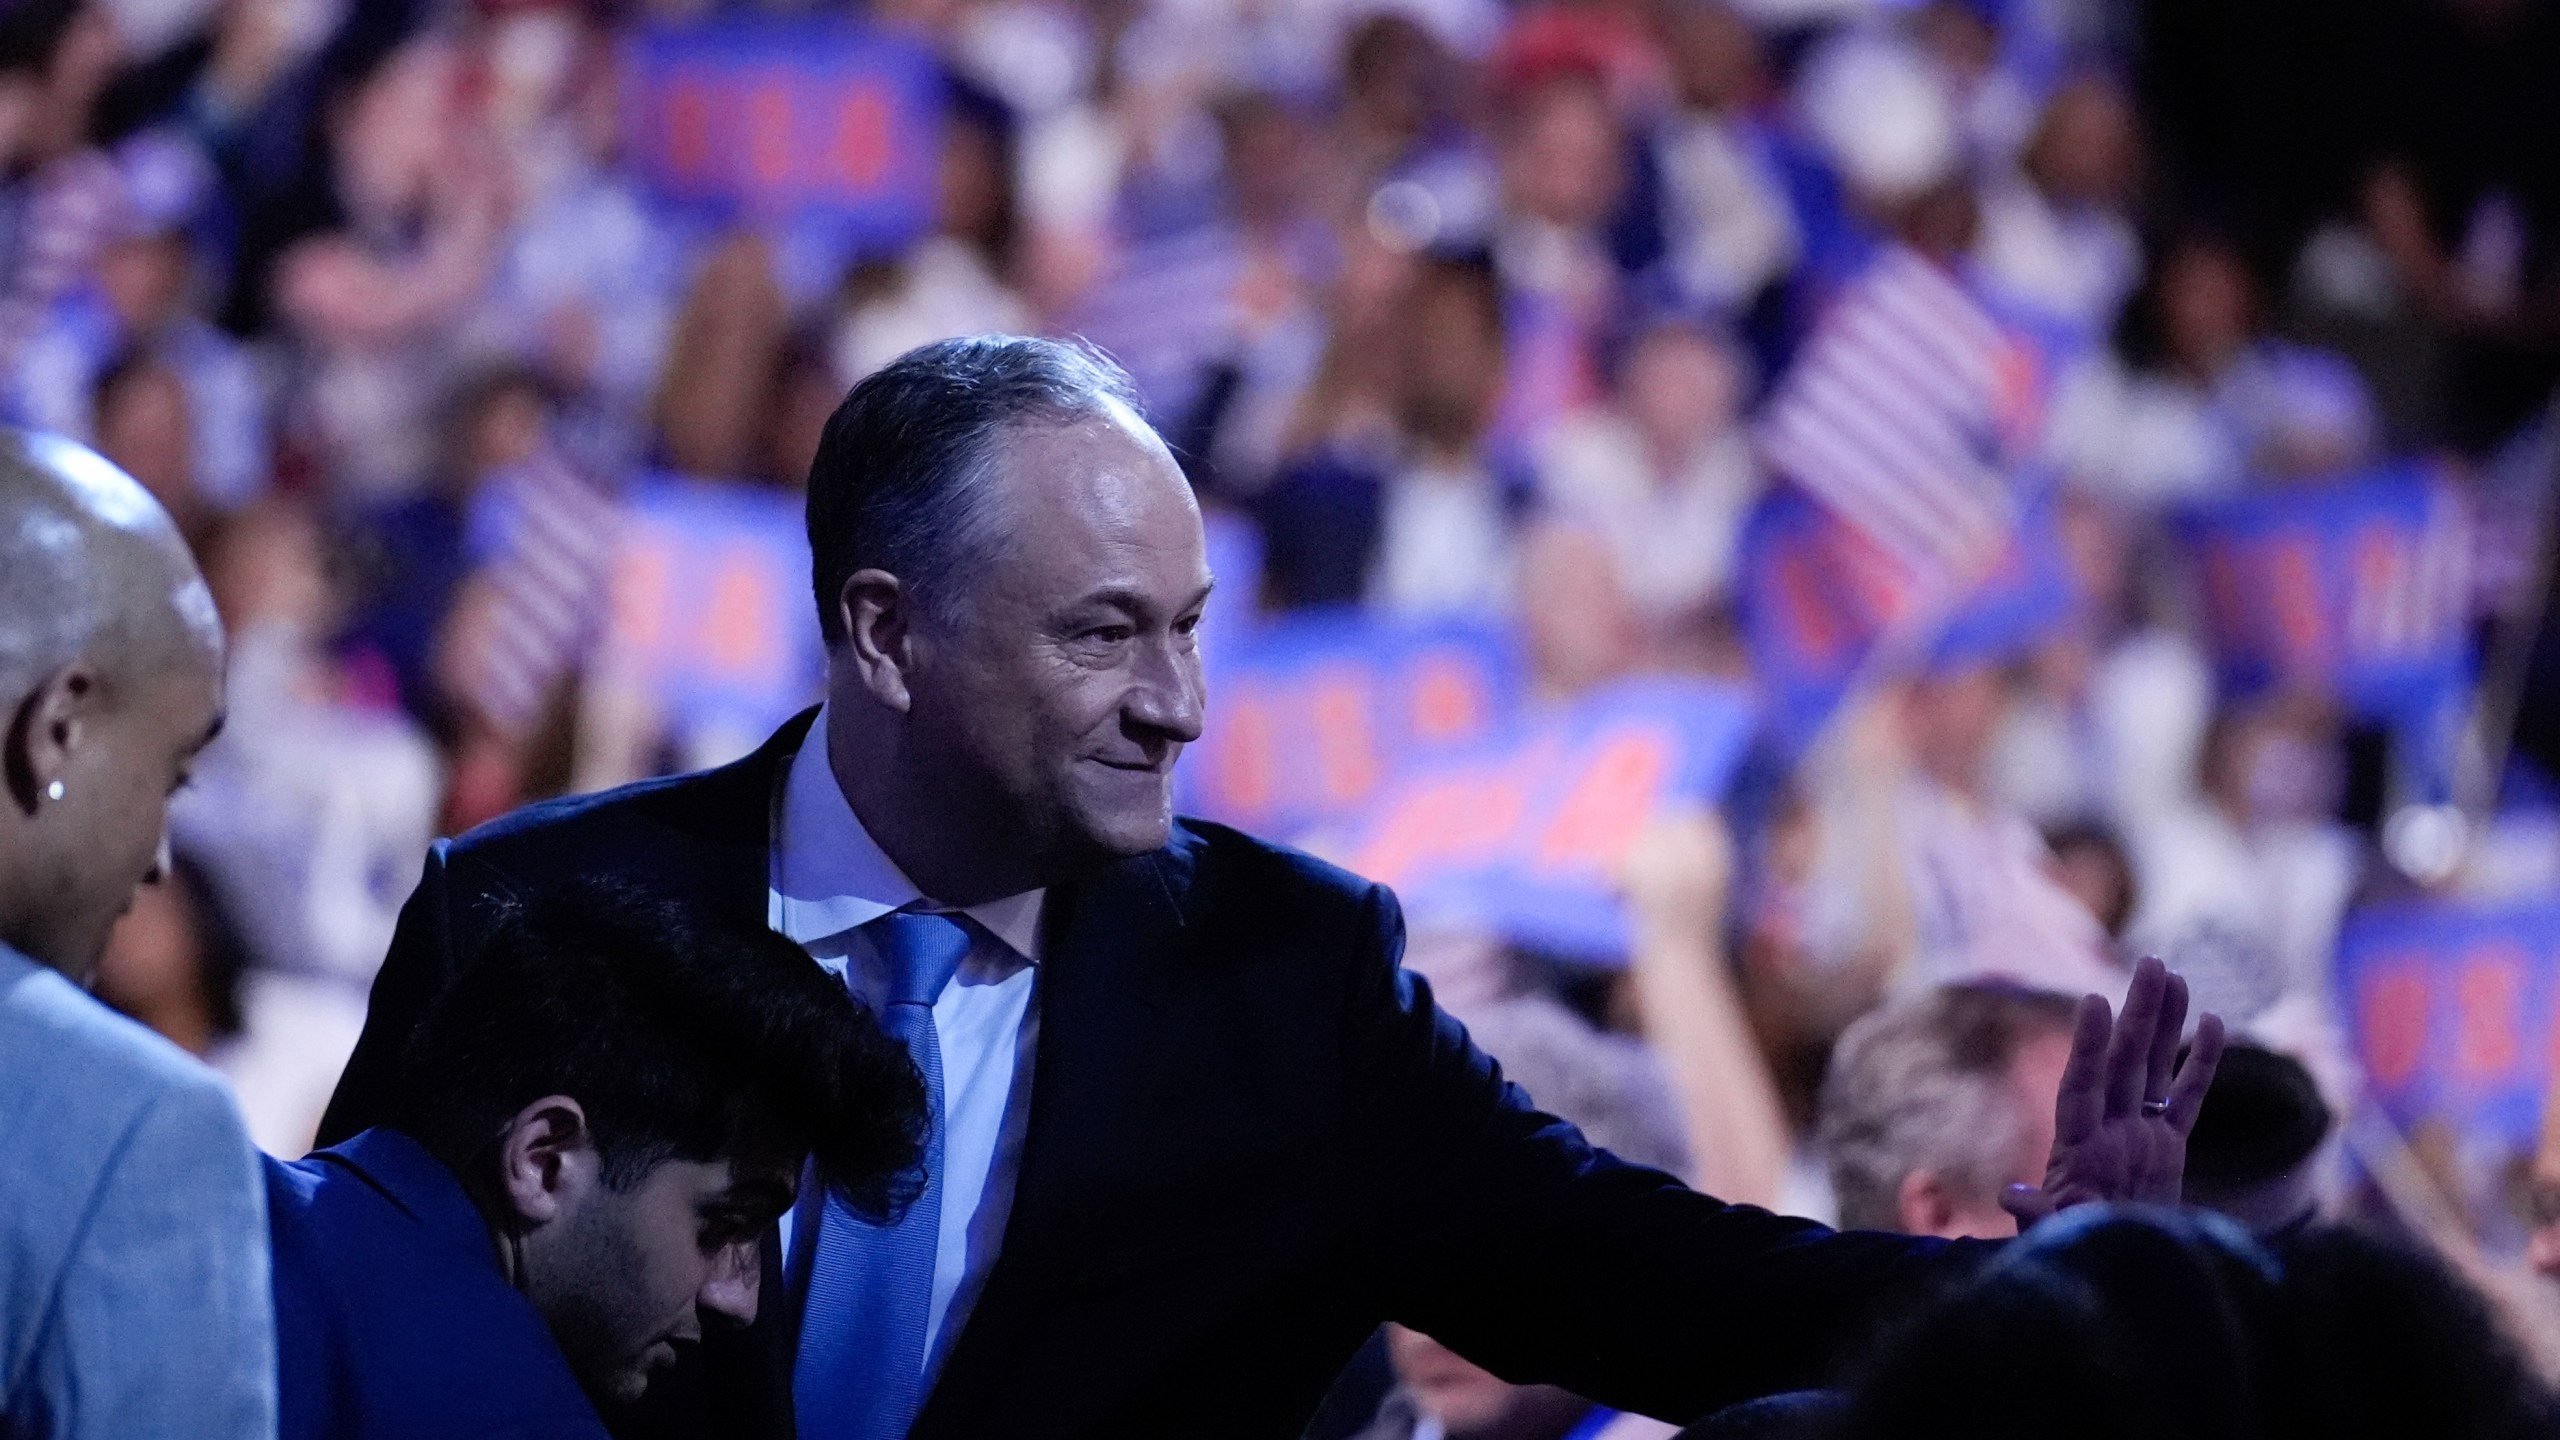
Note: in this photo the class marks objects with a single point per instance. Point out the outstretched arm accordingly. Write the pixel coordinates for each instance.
(1499, 1231)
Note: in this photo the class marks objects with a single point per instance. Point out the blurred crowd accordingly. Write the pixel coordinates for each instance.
(1466, 308)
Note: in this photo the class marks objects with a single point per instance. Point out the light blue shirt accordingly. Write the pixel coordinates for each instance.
(829, 879)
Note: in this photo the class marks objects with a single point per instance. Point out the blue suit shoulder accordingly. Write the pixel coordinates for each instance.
(1232, 886)
(393, 1319)
(1220, 858)
(702, 834)
(668, 799)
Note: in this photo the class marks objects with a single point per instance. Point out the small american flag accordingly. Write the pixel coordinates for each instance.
(539, 597)
(1901, 415)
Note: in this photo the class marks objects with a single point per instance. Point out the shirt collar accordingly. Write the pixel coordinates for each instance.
(416, 1181)
(830, 876)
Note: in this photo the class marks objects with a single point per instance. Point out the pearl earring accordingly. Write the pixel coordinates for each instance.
(53, 791)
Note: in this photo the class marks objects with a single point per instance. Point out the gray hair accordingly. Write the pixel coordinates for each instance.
(90, 565)
(1923, 1084)
(899, 479)
(1608, 1086)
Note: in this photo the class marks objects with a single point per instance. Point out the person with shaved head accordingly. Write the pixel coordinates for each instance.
(134, 1297)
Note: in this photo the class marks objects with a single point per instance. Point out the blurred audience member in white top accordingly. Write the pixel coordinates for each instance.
(2111, 714)
(2244, 885)
(176, 963)
(2055, 235)
(1974, 47)
(311, 807)
(586, 281)
(1562, 147)
(959, 280)
(1446, 534)
(376, 306)
(1957, 886)
(1725, 210)
(2213, 402)
(1984, 899)
(1664, 475)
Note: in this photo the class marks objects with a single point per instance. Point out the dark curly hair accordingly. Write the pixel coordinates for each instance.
(683, 1035)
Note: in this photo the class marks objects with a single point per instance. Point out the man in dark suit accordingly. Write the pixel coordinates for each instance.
(1197, 1134)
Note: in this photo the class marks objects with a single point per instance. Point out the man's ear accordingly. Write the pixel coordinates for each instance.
(547, 1159)
(877, 613)
(1923, 1204)
(49, 725)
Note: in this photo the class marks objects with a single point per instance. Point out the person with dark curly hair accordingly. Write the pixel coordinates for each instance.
(594, 1126)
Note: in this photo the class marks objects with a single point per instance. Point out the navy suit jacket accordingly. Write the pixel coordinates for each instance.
(393, 1320)
(1252, 1138)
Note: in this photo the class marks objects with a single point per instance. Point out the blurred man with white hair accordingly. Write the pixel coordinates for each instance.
(1934, 1104)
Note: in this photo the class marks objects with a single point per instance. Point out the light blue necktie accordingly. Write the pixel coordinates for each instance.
(860, 1371)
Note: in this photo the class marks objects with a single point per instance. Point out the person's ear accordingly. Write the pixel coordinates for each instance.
(547, 1159)
(877, 613)
(49, 728)
(1923, 1205)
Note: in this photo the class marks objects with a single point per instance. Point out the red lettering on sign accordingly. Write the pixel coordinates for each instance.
(2224, 611)
(693, 103)
(1496, 807)
(1346, 736)
(2391, 1020)
(1246, 772)
(642, 581)
(859, 155)
(2381, 568)
(1416, 831)
(1449, 699)
(769, 138)
(1609, 802)
(2488, 997)
(740, 638)
(1879, 584)
(1806, 607)
(2008, 571)
(2301, 629)
(2551, 1049)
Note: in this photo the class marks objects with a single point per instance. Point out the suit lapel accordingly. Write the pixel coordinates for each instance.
(735, 809)
(1110, 946)
(747, 1373)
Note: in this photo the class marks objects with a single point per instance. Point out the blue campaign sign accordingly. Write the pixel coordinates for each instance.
(2452, 1008)
(1526, 833)
(2358, 590)
(711, 607)
(1235, 561)
(1310, 715)
(814, 119)
(1816, 598)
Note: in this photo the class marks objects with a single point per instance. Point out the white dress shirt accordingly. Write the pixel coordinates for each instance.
(829, 878)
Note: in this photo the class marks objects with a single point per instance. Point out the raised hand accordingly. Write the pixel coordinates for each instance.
(2120, 1124)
